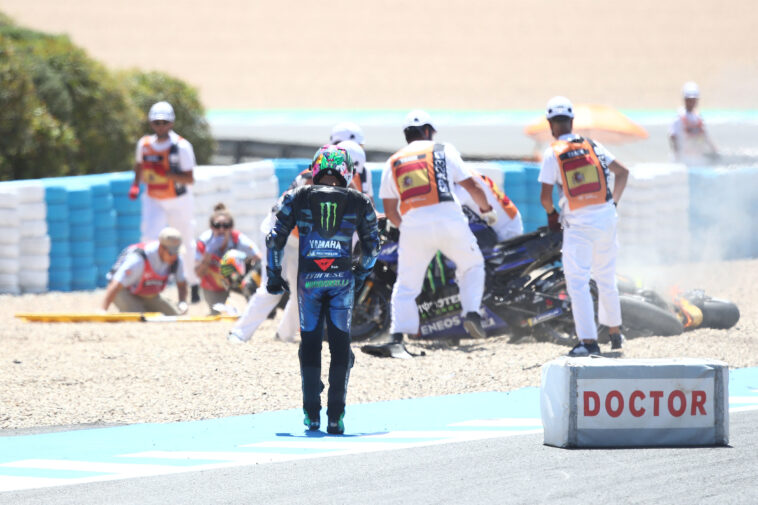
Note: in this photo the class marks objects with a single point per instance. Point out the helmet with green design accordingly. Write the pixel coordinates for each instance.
(332, 160)
(232, 267)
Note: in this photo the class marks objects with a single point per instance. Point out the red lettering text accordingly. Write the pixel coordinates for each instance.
(698, 402)
(636, 412)
(656, 396)
(639, 403)
(619, 403)
(591, 396)
(676, 394)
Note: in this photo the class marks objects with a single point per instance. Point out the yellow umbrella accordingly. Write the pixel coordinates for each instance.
(598, 122)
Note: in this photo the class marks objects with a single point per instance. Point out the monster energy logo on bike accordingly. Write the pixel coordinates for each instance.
(328, 211)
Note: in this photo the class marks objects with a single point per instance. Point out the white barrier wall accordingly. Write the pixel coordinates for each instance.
(653, 224)
(34, 242)
(248, 190)
(10, 236)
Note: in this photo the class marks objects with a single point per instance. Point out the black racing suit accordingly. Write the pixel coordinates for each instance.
(326, 217)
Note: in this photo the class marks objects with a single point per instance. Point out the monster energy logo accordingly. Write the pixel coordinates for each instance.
(430, 274)
(331, 213)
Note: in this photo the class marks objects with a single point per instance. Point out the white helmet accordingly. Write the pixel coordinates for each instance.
(161, 111)
(357, 154)
(690, 90)
(347, 131)
(559, 106)
(418, 118)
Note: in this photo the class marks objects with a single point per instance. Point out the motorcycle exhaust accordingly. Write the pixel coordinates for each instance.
(541, 318)
(364, 292)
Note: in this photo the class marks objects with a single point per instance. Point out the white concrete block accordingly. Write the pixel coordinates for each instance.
(602, 402)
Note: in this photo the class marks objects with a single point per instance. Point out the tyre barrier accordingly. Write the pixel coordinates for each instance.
(105, 219)
(103, 203)
(106, 237)
(10, 235)
(75, 217)
(33, 238)
(59, 248)
(9, 218)
(59, 232)
(81, 198)
(61, 280)
(127, 210)
(9, 251)
(84, 278)
(58, 264)
(31, 246)
(57, 213)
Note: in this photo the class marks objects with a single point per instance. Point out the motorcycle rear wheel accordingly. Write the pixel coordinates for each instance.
(639, 319)
(642, 319)
(719, 314)
(556, 333)
(370, 318)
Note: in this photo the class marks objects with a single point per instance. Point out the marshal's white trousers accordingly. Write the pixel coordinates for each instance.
(262, 302)
(449, 233)
(178, 213)
(589, 251)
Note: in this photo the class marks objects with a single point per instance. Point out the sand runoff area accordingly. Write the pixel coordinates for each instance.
(449, 54)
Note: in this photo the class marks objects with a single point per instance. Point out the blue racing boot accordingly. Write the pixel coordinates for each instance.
(312, 421)
(336, 426)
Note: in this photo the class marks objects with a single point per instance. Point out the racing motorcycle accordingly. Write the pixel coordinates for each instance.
(525, 294)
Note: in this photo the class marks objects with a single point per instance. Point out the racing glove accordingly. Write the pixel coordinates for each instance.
(489, 217)
(275, 284)
(553, 221)
(133, 192)
(393, 233)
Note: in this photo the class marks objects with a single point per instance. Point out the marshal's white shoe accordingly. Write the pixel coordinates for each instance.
(234, 338)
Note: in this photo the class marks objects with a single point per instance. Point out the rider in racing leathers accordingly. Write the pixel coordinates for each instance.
(327, 214)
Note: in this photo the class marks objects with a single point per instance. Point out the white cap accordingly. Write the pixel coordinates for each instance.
(559, 106)
(418, 118)
(356, 152)
(161, 111)
(347, 131)
(171, 239)
(690, 90)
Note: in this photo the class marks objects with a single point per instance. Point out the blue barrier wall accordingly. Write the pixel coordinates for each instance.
(90, 219)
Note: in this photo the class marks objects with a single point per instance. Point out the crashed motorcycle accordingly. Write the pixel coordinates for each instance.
(525, 294)
(694, 308)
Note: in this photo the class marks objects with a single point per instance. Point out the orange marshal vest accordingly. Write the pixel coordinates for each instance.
(155, 166)
(150, 284)
(584, 176)
(506, 203)
(421, 177)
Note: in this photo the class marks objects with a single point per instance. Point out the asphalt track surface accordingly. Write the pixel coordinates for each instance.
(517, 469)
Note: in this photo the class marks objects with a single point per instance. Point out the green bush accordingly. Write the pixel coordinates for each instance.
(33, 143)
(146, 88)
(66, 114)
